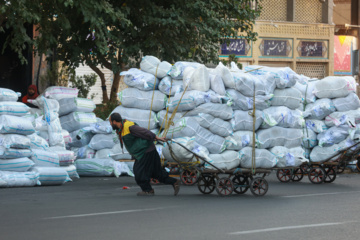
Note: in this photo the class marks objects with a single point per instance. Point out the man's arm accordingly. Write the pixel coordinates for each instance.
(142, 133)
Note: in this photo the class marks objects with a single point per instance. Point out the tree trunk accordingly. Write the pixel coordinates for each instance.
(103, 82)
(115, 87)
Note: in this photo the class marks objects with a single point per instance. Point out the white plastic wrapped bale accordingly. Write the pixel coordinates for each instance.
(8, 95)
(13, 108)
(319, 109)
(139, 116)
(278, 136)
(100, 141)
(225, 74)
(176, 71)
(225, 161)
(333, 136)
(71, 170)
(215, 125)
(60, 92)
(335, 87)
(16, 125)
(263, 158)
(317, 126)
(116, 153)
(140, 80)
(169, 86)
(282, 117)
(180, 153)
(248, 84)
(134, 98)
(309, 139)
(351, 102)
(51, 108)
(95, 167)
(66, 157)
(16, 164)
(52, 176)
(37, 142)
(14, 141)
(214, 143)
(161, 116)
(241, 102)
(14, 153)
(185, 127)
(217, 84)
(217, 110)
(83, 152)
(242, 121)
(77, 120)
(320, 154)
(188, 100)
(288, 97)
(284, 77)
(68, 105)
(201, 151)
(307, 91)
(153, 65)
(197, 78)
(289, 157)
(45, 158)
(18, 179)
(66, 136)
(350, 118)
(80, 138)
(99, 127)
(239, 140)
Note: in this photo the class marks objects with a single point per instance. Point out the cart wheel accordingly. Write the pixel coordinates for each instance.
(284, 175)
(330, 175)
(358, 165)
(224, 186)
(206, 184)
(241, 184)
(259, 186)
(188, 178)
(154, 181)
(340, 168)
(298, 175)
(305, 168)
(317, 175)
(174, 170)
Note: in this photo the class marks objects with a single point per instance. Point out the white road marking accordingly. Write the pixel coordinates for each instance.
(319, 194)
(287, 228)
(107, 213)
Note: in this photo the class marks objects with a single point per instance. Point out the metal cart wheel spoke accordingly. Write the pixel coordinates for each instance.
(224, 186)
(206, 184)
(188, 177)
(317, 175)
(297, 175)
(241, 184)
(330, 174)
(259, 186)
(284, 175)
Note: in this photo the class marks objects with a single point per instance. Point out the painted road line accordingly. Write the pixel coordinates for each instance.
(107, 213)
(319, 194)
(288, 228)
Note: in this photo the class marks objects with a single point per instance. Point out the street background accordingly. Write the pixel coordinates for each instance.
(99, 208)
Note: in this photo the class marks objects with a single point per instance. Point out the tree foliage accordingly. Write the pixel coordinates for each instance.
(114, 33)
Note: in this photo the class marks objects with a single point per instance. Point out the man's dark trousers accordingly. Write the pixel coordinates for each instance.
(149, 166)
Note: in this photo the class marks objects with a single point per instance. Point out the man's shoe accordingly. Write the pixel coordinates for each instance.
(149, 193)
(176, 186)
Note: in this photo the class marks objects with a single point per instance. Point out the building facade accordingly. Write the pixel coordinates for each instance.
(291, 33)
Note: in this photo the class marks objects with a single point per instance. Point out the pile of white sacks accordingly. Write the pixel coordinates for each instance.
(26, 159)
(297, 118)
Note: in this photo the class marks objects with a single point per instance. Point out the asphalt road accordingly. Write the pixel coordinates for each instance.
(98, 208)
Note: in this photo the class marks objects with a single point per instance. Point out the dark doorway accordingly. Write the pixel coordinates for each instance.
(13, 74)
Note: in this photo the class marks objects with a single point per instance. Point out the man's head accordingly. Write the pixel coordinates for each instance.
(115, 121)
